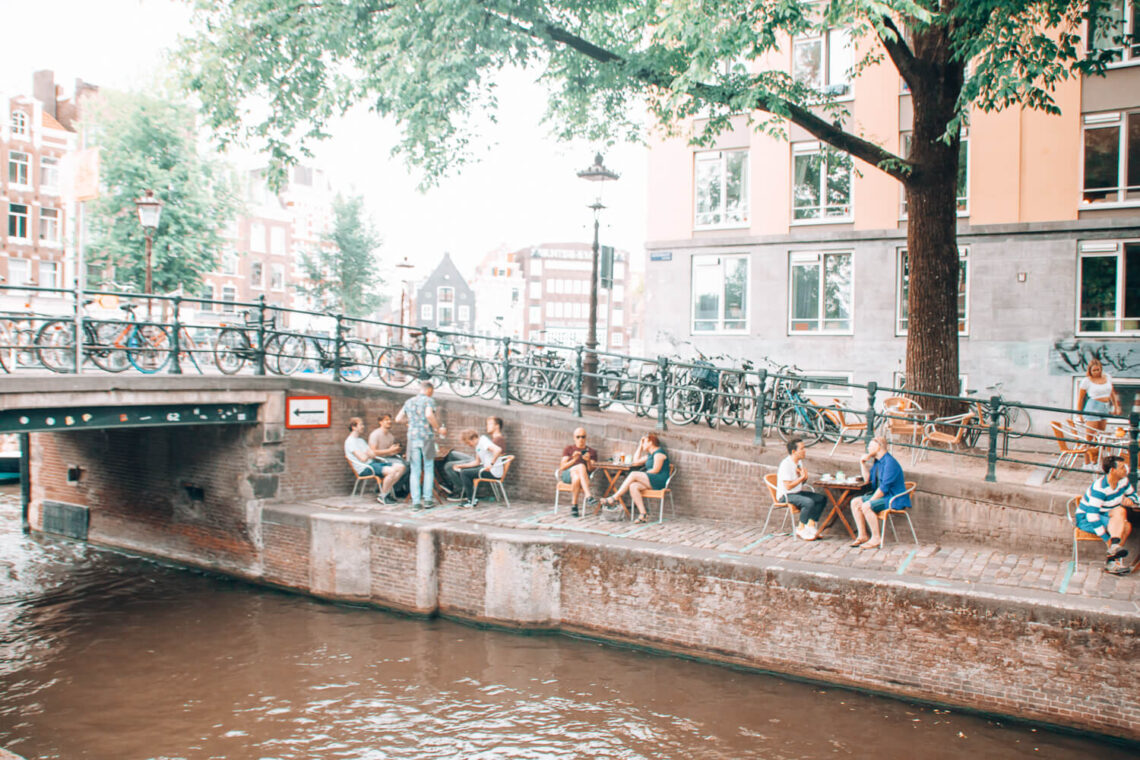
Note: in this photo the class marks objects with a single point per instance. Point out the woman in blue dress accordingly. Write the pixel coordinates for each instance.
(653, 478)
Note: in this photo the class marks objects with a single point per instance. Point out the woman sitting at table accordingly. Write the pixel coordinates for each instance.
(654, 477)
(884, 478)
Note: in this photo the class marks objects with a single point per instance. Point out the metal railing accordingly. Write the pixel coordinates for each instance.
(67, 331)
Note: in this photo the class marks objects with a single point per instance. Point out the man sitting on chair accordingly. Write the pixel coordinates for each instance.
(366, 461)
(1101, 512)
(884, 478)
(578, 461)
(486, 464)
(791, 476)
(386, 446)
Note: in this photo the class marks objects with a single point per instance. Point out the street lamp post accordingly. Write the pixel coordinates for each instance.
(596, 173)
(406, 265)
(150, 211)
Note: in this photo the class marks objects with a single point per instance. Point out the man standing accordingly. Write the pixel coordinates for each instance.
(577, 463)
(419, 413)
(791, 476)
(385, 444)
(367, 461)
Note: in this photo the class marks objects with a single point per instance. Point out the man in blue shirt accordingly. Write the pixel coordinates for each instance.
(881, 472)
(419, 413)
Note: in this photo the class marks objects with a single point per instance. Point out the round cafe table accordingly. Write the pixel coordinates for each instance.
(614, 473)
(838, 494)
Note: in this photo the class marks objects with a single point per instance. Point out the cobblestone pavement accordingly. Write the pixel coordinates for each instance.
(1017, 575)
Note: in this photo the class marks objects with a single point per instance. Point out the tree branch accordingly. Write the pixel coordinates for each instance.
(901, 54)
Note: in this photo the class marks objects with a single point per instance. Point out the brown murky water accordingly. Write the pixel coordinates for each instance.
(106, 656)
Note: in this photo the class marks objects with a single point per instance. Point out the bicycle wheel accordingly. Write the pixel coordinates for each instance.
(491, 388)
(609, 388)
(465, 375)
(529, 385)
(396, 367)
(107, 345)
(55, 345)
(683, 405)
(799, 421)
(355, 361)
(284, 354)
(231, 348)
(148, 348)
(646, 402)
(1018, 420)
(561, 382)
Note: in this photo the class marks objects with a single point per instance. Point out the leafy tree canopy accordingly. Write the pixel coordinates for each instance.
(149, 143)
(341, 274)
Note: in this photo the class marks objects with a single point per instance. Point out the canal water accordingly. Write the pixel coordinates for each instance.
(114, 657)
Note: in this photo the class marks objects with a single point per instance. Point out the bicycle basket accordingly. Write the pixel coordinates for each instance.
(705, 374)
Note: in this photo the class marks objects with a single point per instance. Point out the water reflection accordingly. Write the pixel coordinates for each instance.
(105, 656)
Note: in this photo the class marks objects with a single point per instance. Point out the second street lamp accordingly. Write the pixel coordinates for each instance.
(596, 173)
(150, 211)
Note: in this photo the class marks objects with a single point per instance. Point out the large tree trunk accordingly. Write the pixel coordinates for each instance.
(932, 243)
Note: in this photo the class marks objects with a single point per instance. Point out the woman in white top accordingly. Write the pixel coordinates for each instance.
(1096, 394)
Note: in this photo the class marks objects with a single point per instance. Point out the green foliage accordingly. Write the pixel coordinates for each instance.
(148, 143)
(341, 274)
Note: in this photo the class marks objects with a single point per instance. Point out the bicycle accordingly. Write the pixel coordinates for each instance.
(739, 394)
(285, 353)
(397, 366)
(112, 346)
(1015, 420)
(798, 416)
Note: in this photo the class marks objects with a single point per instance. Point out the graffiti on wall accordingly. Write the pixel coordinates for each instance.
(1071, 356)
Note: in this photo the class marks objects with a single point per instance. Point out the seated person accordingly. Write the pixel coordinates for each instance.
(791, 477)
(577, 463)
(884, 478)
(385, 445)
(654, 477)
(1101, 512)
(366, 461)
(495, 432)
(485, 464)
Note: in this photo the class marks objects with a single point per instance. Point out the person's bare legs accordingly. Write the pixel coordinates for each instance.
(579, 474)
(639, 478)
(872, 522)
(575, 489)
(395, 472)
(1118, 525)
(857, 514)
(635, 490)
(1092, 455)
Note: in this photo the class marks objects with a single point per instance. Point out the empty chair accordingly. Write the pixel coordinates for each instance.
(960, 424)
(843, 419)
(1068, 451)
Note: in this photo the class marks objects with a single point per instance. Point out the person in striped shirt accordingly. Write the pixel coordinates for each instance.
(1101, 511)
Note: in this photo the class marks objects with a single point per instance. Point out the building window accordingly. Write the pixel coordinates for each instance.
(903, 290)
(207, 295)
(49, 173)
(49, 225)
(821, 182)
(616, 319)
(49, 274)
(445, 302)
(229, 262)
(19, 124)
(464, 314)
(721, 188)
(17, 221)
(425, 312)
(536, 290)
(1109, 287)
(536, 315)
(1113, 27)
(824, 62)
(257, 237)
(277, 240)
(963, 172)
(1112, 157)
(720, 293)
(17, 167)
(822, 291)
(826, 383)
(277, 277)
(615, 340)
(229, 295)
(256, 275)
(18, 272)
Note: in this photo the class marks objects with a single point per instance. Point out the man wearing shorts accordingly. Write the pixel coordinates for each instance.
(884, 475)
(1101, 512)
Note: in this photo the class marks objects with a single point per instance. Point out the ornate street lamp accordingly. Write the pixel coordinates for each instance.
(596, 173)
(150, 211)
(407, 266)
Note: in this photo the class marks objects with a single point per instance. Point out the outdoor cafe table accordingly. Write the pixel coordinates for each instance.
(614, 473)
(838, 493)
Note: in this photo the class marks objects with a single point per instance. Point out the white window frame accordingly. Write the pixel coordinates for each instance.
(277, 277)
(50, 223)
(721, 261)
(836, 85)
(535, 314)
(616, 340)
(229, 296)
(719, 160)
(963, 321)
(802, 257)
(829, 391)
(1104, 249)
(257, 275)
(425, 312)
(277, 244)
(228, 262)
(13, 232)
(49, 179)
(52, 271)
(826, 153)
(1111, 120)
(19, 124)
(257, 237)
(15, 280)
(1129, 54)
(24, 161)
(463, 314)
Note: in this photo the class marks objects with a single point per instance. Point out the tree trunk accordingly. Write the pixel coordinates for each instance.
(932, 242)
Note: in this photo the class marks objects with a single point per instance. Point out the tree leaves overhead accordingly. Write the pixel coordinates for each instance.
(147, 143)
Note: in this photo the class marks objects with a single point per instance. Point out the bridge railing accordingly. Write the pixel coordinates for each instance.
(123, 331)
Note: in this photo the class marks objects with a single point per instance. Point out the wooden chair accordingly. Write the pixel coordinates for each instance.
(932, 435)
(844, 419)
(1078, 534)
(364, 478)
(904, 421)
(886, 514)
(793, 512)
(496, 483)
(660, 494)
(561, 488)
(1068, 451)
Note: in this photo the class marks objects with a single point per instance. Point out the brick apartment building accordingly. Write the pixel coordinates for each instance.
(786, 249)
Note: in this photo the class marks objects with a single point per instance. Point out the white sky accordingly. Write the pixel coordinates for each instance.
(524, 191)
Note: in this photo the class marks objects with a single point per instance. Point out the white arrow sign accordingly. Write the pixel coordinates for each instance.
(308, 411)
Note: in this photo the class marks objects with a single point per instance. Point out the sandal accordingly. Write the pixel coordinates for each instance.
(641, 520)
(859, 542)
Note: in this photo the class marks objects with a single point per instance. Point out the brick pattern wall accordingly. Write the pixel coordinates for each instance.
(394, 567)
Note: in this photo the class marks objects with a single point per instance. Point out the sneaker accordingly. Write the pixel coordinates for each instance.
(574, 511)
(1116, 566)
(429, 505)
(801, 532)
(810, 532)
(386, 498)
(1116, 551)
(591, 501)
(457, 498)
(416, 506)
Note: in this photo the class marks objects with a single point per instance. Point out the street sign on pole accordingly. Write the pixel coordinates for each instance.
(308, 412)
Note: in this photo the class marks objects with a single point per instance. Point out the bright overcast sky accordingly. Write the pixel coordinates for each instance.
(524, 191)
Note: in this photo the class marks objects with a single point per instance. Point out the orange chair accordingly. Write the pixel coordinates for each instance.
(496, 483)
(1068, 451)
(932, 435)
(364, 478)
(904, 421)
(793, 512)
(660, 494)
(845, 420)
(1078, 534)
(886, 514)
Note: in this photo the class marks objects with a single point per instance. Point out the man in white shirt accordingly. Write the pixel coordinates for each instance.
(791, 476)
(367, 461)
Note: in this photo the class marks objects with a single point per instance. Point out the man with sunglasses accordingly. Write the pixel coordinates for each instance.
(577, 463)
